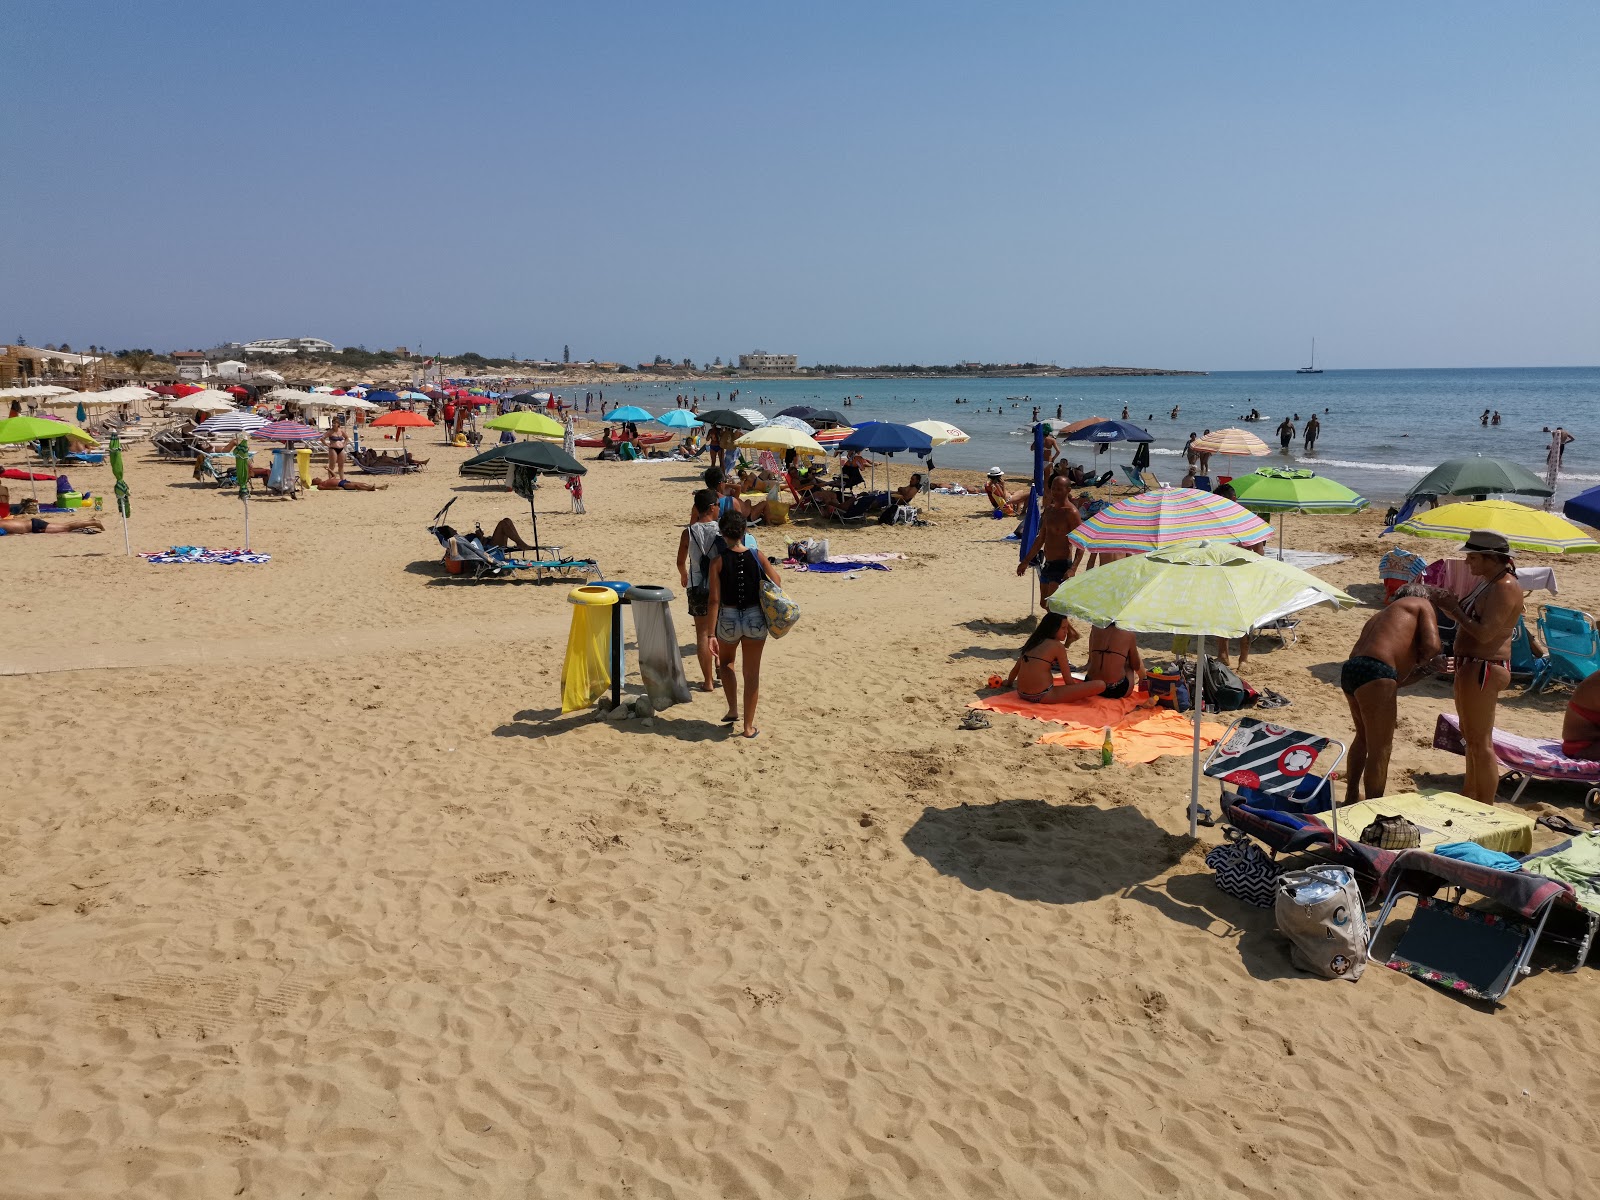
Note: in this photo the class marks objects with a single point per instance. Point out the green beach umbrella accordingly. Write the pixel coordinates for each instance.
(1199, 588)
(16, 430)
(532, 423)
(124, 497)
(1293, 490)
(1479, 476)
(241, 472)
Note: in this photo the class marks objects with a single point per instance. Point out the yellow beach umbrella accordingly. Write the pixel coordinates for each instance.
(779, 438)
(532, 423)
(1525, 528)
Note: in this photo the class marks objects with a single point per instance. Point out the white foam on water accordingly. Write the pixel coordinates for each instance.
(1398, 468)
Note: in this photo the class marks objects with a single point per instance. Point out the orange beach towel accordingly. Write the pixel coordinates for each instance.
(1096, 710)
(1141, 737)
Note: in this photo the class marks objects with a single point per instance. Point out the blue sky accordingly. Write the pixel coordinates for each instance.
(1184, 185)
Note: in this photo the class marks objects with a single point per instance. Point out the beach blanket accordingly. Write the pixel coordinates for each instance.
(833, 566)
(1095, 713)
(1141, 737)
(1306, 559)
(199, 554)
(1577, 863)
(1539, 757)
(1445, 817)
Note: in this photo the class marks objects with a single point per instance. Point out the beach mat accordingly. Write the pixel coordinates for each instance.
(1445, 817)
(1142, 737)
(1096, 712)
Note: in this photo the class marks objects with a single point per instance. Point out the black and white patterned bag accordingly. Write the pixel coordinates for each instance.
(1244, 870)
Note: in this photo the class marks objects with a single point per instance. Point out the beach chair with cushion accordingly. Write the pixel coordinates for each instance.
(471, 557)
(1523, 662)
(1477, 951)
(1287, 833)
(370, 462)
(1525, 759)
(1269, 766)
(1571, 646)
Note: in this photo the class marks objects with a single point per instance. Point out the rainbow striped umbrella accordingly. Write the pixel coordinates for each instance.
(832, 437)
(1139, 524)
(288, 431)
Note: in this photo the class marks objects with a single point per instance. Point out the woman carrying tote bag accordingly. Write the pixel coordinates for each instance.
(735, 577)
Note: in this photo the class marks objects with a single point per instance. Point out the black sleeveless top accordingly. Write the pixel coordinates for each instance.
(741, 577)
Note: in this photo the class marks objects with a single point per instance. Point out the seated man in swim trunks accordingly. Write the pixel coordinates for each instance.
(1114, 661)
(1397, 646)
(18, 525)
(351, 485)
(1580, 727)
(1043, 654)
(905, 495)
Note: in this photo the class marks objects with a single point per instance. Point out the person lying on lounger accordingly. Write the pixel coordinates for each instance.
(505, 536)
(1043, 654)
(1580, 727)
(352, 485)
(18, 525)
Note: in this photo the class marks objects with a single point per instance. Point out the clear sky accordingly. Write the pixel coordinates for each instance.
(1153, 184)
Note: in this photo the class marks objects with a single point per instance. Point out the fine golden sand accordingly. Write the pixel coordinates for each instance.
(307, 889)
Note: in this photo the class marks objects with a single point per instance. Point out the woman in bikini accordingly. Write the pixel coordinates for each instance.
(1486, 619)
(1114, 661)
(336, 446)
(1043, 654)
(1580, 727)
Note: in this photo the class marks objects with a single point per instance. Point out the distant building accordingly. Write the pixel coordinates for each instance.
(759, 362)
(310, 345)
(232, 368)
(192, 364)
(25, 365)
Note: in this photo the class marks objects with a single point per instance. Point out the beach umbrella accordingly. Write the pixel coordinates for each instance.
(85, 400)
(754, 415)
(1479, 476)
(1098, 430)
(1136, 524)
(534, 424)
(414, 396)
(288, 395)
(630, 412)
(1231, 443)
(32, 392)
(1286, 490)
(378, 397)
(231, 422)
(120, 490)
(726, 418)
(1066, 431)
(1525, 528)
(287, 431)
(202, 402)
(832, 437)
(779, 438)
(1584, 507)
(1201, 588)
(17, 430)
(887, 438)
(794, 423)
(542, 458)
(1029, 529)
(940, 433)
(821, 417)
(241, 474)
(682, 418)
(402, 420)
(797, 410)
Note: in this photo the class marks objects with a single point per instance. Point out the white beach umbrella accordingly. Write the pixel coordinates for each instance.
(33, 392)
(289, 395)
(232, 422)
(202, 403)
(87, 399)
(754, 415)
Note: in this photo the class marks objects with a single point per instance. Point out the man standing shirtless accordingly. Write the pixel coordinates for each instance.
(1397, 647)
(1058, 518)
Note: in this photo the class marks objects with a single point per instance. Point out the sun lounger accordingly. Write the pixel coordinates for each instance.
(1287, 833)
(369, 462)
(1476, 951)
(1525, 758)
(1571, 647)
(469, 557)
(1446, 817)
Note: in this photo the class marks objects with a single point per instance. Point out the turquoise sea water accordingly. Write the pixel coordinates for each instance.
(1381, 429)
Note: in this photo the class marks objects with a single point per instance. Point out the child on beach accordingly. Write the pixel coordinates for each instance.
(574, 485)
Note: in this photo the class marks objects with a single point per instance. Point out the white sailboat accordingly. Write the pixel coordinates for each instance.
(1313, 369)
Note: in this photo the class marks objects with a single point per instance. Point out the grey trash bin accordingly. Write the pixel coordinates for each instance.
(660, 664)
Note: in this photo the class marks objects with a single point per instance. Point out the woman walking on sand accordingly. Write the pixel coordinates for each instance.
(735, 577)
(694, 556)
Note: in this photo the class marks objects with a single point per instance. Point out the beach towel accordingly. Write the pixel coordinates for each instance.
(832, 567)
(1140, 737)
(1443, 817)
(1095, 713)
(199, 554)
(1577, 863)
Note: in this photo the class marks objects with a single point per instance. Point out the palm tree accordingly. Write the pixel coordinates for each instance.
(138, 362)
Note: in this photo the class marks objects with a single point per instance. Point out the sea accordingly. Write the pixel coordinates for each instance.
(1381, 430)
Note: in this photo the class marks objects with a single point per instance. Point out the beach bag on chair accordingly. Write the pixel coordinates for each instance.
(1243, 869)
(781, 612)
(1321, 912)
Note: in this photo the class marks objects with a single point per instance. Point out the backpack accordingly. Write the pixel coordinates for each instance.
(1224, 690)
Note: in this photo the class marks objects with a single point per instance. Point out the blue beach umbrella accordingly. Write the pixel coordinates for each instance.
(382, 397)
(1584, 508)
(1110, 431)
(679, 418)
(1030, 515)
(887, 438)
(631, 412)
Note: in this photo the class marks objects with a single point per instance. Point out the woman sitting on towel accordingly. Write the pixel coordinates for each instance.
(1043, 654)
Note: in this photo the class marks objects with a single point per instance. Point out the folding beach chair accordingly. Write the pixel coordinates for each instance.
(1524, 759)
(1523, 661)
(1572, 646)
(1270, 765)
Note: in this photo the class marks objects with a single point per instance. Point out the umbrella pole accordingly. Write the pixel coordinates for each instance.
(247, 522)
(1198, 702)
(127, 547)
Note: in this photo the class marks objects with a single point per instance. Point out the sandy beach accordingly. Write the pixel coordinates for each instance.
(307, 888)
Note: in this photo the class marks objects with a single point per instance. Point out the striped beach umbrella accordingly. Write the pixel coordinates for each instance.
(1139, 524)
(1525, 528)
(288, 431)
(1232, 442)
(231, 422)
(832, 437)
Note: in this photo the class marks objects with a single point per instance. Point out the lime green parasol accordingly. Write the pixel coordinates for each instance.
(1199, 588)
(1293, 490)
(124, 497)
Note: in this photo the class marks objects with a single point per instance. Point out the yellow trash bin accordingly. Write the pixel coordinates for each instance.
(302, 463)
(586, 671)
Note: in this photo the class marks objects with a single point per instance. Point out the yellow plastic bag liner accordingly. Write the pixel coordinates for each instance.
(586, 672)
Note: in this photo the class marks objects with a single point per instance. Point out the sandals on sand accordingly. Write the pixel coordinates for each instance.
(974, 720)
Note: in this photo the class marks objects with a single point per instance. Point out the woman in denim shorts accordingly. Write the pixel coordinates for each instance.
(735, 578)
